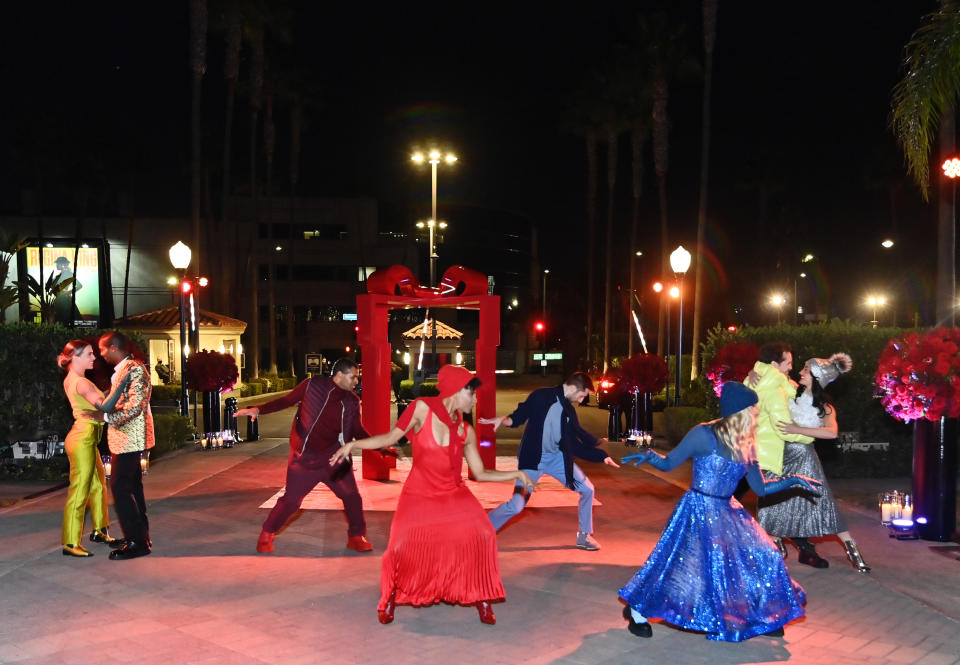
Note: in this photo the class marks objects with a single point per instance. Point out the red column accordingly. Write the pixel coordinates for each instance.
(372, 317)
(486, 354)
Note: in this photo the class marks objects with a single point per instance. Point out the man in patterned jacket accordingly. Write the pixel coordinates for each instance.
(129, 433)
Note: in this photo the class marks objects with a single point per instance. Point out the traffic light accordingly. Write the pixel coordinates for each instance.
(186, 286)
(539, 327)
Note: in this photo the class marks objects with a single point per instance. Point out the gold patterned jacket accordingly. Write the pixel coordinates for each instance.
(131, 422)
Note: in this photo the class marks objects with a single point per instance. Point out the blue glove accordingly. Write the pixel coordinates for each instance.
(638, 458)
(786, 482)
(108, 404)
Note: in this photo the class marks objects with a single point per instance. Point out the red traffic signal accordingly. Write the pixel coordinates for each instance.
(186, 286)
(539, 326)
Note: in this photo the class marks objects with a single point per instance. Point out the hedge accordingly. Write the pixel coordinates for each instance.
(172, 431)
(32, 403)
(427, 389)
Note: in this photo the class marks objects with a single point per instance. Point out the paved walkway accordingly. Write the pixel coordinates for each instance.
(205, 596)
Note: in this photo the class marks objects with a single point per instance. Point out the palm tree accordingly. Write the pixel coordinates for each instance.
(591, 145)
(231, 73)
(638, 135)
(10, 244)
(198, 67)
(46, 295)
(256, 103)
(709, 39)
(923, 105)
(269, 142)
(296, 127)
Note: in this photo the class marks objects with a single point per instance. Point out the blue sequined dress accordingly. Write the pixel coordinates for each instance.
(714, 569)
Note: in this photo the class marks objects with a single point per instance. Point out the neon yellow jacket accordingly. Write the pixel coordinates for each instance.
(775, 391)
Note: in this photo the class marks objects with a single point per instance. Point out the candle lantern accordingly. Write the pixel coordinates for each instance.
(145, 462)
(107, 465)
(888, 503)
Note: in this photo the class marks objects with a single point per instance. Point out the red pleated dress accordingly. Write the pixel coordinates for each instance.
(442, 546)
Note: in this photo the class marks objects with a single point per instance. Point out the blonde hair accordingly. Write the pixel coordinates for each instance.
(738, 433)
(72, 349)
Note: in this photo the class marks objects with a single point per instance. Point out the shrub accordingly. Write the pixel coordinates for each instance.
(165, 392)
(172, 432)
(681, 419)
(256, 388)
(427, 389)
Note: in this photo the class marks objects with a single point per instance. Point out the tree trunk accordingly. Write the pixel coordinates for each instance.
(269, 144)
(636, 144)
(660, 155)
(198, 66)
(295, 127)
(608, 254)
(591, 236)
(256, 101)
(709, 38)
(946, 227)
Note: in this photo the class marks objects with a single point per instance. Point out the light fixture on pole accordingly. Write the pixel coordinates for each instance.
(876, 302)
(543, 303)
(180, 256)
(777, 301)
(434, 157)
(679, 263)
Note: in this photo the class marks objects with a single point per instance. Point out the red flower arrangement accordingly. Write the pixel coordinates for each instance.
(645, 371)
(918, 376)
(209, 370)
(731, 363)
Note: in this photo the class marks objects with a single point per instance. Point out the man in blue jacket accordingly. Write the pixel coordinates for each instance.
(552, 439)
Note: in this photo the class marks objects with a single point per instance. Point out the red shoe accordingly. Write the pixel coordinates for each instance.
(486, 612)
(385, 615)
(359, 543)
(265, 542)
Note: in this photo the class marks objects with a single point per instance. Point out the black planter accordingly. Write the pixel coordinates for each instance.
(935, 478)
(211, 411)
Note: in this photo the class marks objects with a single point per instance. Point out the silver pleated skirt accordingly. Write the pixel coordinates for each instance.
(795, 512)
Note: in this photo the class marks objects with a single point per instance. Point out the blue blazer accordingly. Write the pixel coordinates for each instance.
(574, 440)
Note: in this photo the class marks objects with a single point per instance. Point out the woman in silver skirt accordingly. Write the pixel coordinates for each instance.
(800, 516)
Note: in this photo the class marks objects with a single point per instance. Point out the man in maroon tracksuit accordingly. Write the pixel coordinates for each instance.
(328, 416)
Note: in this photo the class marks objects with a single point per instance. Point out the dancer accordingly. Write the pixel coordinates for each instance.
(799, 516)
(552, 439)
(87, 477)
(714, 569)
(129, 434)
(442, 547)
(328, 414)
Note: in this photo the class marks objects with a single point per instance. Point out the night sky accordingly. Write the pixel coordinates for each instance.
(97, 98)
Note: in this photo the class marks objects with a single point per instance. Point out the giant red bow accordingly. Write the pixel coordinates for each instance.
(398, 280)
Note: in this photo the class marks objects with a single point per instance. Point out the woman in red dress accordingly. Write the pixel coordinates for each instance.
(442, 546)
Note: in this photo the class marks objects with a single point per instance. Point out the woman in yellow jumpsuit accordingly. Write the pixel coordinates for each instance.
(87, 477)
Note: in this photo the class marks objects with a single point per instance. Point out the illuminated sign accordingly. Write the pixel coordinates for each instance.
(77, 304)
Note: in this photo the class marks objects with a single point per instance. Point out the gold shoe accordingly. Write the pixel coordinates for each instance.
(853, 553)
(75, 550)
(101, 536)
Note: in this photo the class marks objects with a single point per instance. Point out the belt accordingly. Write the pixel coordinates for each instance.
(712, 496)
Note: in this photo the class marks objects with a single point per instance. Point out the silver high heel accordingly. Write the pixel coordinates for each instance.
(781, 546)
(853, 553)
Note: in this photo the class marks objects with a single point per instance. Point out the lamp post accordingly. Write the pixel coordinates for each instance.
(875, 302)
(679, 263)
(777, 301)
(543, 303)
(434, 157)
(180, 259)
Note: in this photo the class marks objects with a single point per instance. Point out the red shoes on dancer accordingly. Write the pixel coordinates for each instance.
(359, 543)
(265, 542)
(486, 612)
(386, 614)
(484, 608)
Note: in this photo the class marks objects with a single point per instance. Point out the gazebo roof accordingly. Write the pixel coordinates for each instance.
(166, 318)
(443, 331)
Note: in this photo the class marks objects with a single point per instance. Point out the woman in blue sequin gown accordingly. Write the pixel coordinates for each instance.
(714, 569)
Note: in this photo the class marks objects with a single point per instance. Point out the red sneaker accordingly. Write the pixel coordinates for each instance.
(265, 542)
(359, 543)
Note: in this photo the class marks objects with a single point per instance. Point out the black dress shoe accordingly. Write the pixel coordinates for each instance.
(811, 558)
(130, 550)
(775, 633)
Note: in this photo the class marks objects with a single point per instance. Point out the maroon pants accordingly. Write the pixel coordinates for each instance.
(303, 474)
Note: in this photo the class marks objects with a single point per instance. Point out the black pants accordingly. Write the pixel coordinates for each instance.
(126, 483)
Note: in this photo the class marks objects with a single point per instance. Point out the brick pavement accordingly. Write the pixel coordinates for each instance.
(205, 596)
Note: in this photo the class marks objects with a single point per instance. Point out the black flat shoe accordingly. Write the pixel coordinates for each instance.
(639, 629)
(104, 538)
(75, 550)
(130, 550)
(775, 633)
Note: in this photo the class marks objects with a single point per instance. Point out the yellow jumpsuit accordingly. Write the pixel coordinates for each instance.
(87, 476)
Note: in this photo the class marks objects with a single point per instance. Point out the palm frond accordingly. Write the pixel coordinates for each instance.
(929, 88)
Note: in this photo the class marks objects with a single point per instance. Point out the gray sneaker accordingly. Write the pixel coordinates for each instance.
(585, 541)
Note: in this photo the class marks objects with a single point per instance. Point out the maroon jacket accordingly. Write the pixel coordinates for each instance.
(312, 396)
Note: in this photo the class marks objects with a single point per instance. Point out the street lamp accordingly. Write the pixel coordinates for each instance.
(876, 302)
(777, 301)
(679, 263)
(546, 271)
(180, 259)
(434, 157)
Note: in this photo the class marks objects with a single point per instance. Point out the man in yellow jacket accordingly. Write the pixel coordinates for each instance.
(772, 384)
